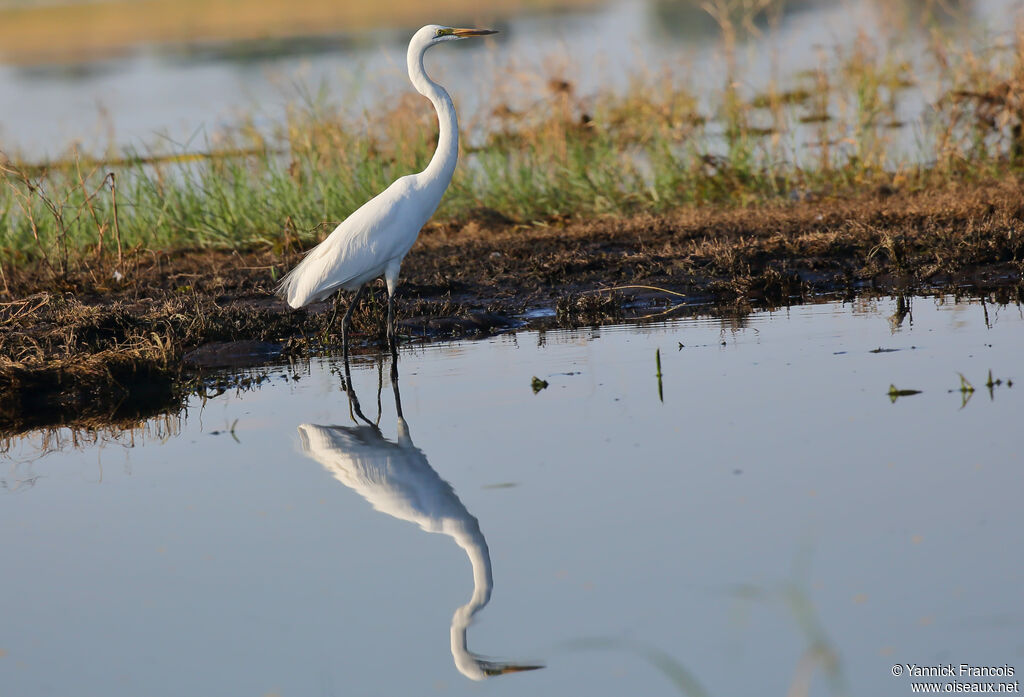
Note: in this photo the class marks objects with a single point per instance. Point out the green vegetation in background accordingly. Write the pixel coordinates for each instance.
(650, 149)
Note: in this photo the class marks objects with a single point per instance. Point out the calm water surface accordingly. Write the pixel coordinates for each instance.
(775, 519)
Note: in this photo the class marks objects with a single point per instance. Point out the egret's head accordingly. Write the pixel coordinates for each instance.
(435, 34)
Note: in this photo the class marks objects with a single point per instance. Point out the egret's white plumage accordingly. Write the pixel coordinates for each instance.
(373, 241)
(361, 248)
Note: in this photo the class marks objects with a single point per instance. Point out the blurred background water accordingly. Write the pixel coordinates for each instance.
(179, 91)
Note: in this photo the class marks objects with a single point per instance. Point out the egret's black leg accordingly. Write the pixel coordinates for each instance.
(394, 384)
(392, 341)
(325, 336)
(345, 320)
(334, 314)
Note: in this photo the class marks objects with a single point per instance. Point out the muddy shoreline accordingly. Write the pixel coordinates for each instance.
(113, 345)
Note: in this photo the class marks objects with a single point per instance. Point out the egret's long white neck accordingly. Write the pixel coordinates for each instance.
(442, 164)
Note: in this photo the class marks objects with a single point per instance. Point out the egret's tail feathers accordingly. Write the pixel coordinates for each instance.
(307, 282)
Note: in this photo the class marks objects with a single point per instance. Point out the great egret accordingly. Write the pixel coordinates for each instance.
(397, 480)
(374, 240)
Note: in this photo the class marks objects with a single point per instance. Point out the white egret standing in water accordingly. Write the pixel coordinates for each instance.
(373, 241)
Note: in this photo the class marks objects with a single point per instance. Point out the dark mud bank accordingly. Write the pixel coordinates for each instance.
(93, 347)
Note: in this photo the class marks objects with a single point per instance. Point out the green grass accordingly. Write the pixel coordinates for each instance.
(650, 149)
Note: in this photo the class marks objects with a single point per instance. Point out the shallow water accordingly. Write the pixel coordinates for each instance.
(179, 97)
(775, 517)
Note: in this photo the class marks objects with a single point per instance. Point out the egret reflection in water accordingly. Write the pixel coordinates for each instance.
(395, 477)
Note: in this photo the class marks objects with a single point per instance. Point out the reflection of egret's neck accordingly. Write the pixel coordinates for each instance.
(472, 541)
(470, 664)
(404, 437)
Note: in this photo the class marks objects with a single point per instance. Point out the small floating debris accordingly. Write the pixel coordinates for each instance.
(883, 350)
(230, 431)
(993, 384)
(537, 384)
(657, 362)
(965, 384)
(895, 393)
(966, 390)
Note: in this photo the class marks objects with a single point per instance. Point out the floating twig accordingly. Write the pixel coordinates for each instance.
(634, 287)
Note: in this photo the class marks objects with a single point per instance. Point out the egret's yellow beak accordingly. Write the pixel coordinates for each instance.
(466, 33)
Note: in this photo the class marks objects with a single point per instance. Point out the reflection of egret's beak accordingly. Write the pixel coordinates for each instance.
(502, 669)
(466, 33)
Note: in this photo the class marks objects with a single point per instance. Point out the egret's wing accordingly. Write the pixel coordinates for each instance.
(360, 248)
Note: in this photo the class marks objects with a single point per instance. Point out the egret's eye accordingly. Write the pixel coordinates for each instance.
(439, 32)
